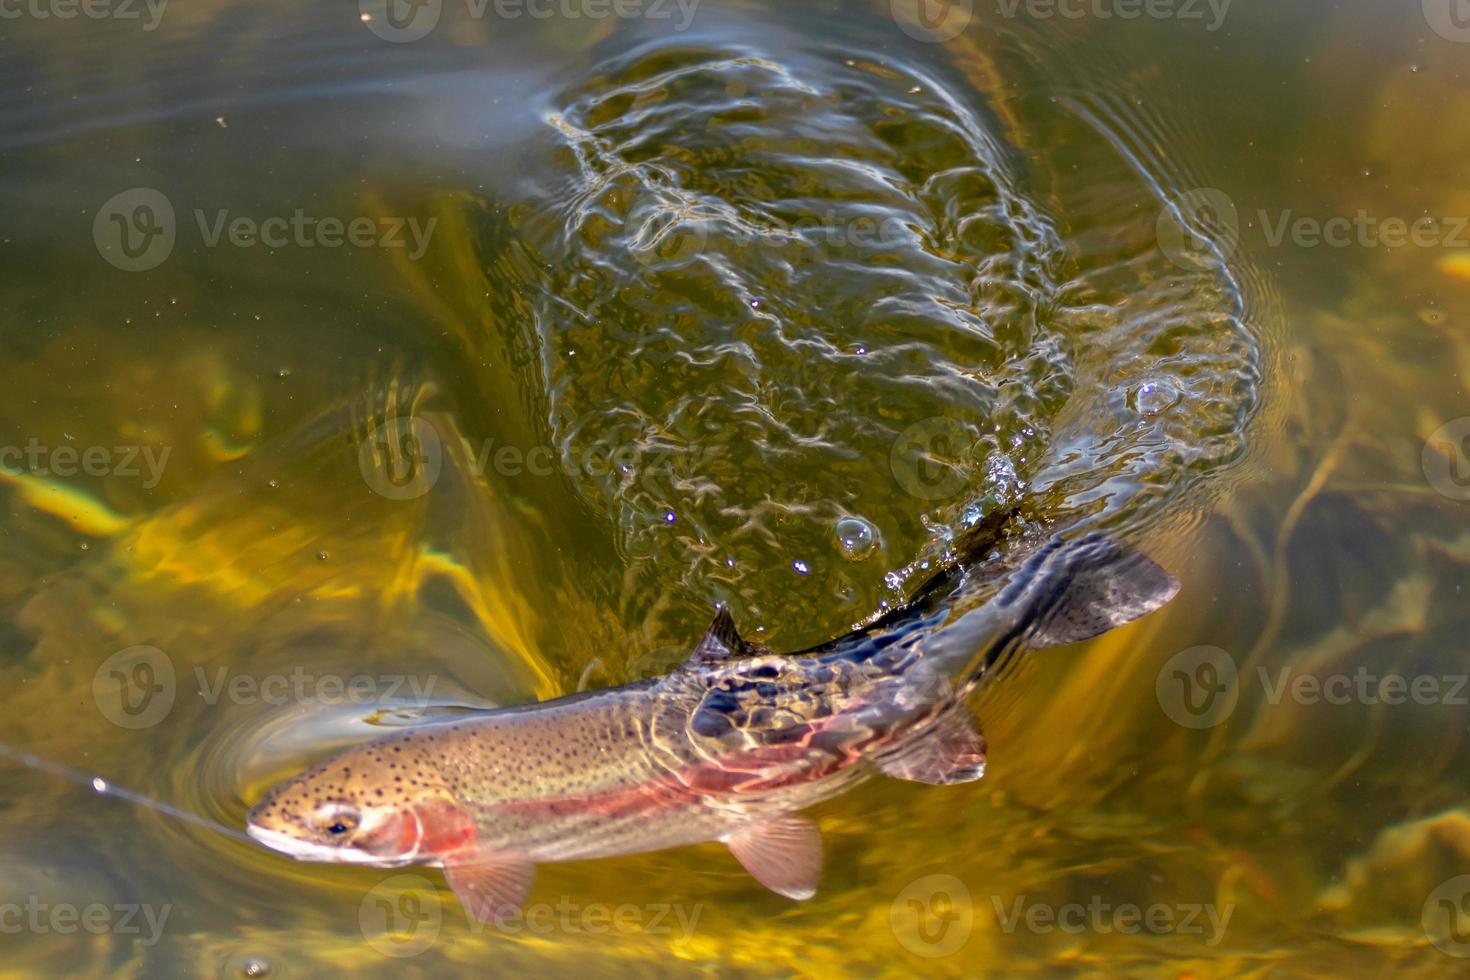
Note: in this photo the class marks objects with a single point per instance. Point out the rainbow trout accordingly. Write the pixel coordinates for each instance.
(726, 747)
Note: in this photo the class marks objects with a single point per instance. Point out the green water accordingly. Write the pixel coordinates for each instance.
(360, 364)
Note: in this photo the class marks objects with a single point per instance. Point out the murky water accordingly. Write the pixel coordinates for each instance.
(363, 363)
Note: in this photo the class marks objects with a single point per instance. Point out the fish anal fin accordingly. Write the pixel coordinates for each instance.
(952, 750)
(784, 854)
(490, 887)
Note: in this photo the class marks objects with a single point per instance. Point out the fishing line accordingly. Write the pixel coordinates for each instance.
(102, 787)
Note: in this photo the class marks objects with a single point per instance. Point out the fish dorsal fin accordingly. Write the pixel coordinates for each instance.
(951, 750)
(490, 887)
(784, 854)
(721, 641)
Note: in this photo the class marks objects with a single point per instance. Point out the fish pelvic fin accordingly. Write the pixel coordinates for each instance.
(491, 888)
(784, 854)
(950, 750)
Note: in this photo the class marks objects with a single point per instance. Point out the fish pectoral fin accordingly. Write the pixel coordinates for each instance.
(952, 750)
(784, 854)
(490, 887)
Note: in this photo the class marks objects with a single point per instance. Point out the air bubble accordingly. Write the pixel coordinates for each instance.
(251, 967)
(1155, 398)
(857, 538)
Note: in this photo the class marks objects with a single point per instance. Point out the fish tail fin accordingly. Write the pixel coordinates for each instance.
(1068, 591)
(1074, 590)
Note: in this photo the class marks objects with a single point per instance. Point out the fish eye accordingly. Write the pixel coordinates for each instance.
(336, 821)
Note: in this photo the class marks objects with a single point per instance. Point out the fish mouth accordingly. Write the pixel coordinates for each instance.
(304, 850)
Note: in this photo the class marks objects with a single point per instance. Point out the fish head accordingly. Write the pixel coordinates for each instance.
(371, 805)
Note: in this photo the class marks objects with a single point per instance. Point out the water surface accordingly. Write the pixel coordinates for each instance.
(662, 311)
